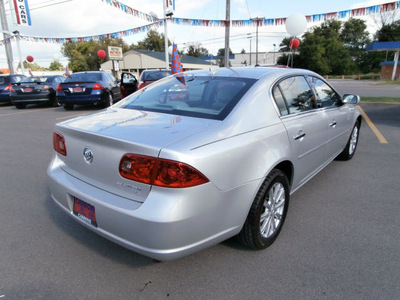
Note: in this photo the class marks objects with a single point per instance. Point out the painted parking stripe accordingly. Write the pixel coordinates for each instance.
(371, 125)
(71, 116)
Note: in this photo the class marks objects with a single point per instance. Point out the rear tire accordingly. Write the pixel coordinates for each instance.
(109, 100)
(20, 105)
(267, 213)
(68, 106)
(351, 146)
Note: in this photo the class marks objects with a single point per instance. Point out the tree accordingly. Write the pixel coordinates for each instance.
(333, 48)
(152, 42)
(221, 57)
(83, 55)
(196, 50)
(56, 66)
(33, 66)
(389, 32)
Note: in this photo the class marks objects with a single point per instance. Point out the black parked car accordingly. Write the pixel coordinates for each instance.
(83, 88)
(36, 89)
(6, 82)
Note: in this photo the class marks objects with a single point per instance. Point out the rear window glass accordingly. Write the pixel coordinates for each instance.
(154, 75)
(83, 77)
(34, 79)
(2, 80)
(187, 95)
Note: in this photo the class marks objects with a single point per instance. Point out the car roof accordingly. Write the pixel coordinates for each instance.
(250, 72)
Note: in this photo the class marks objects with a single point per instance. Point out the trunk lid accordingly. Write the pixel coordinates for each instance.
(110, 134)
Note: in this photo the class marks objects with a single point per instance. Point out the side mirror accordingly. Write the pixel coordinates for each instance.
(350, 99)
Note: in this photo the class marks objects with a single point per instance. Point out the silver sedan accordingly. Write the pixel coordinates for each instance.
(200, 157)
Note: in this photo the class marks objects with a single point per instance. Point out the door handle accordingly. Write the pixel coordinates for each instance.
(333, 124)
(299, 135)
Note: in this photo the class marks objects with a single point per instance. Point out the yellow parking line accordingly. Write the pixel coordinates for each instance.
(69, 117)
(380, 137)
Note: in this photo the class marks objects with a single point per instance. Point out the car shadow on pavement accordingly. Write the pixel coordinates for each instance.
(93, 241)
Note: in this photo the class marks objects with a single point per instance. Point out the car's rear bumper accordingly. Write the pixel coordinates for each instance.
(30, 98)
(171, 223)
(81, 100)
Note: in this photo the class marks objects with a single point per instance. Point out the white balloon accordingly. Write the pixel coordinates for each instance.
(296, 24)
(170, 50)
(56, 57)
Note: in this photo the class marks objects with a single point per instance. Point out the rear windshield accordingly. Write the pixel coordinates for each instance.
(187, 95)
(83, 77)
(3, 80)
(34, 79)
(154, 75)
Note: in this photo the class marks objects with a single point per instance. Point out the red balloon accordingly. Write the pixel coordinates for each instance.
(294, 43)
(29, 58)
(101, 54)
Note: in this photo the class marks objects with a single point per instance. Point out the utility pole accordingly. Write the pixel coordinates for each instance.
(6, 37)
(257, 20)
(165, 38)
(227, 28)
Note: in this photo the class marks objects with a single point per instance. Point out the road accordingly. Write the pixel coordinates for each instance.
(366, 88)
(341, 239)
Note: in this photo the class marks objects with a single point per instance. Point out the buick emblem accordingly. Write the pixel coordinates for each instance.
(88, 155)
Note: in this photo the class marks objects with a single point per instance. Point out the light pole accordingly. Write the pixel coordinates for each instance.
(250, 37)
(6, 36)
(21, 63)
(257, 20)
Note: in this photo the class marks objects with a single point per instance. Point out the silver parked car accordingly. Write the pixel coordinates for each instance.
(199, 157)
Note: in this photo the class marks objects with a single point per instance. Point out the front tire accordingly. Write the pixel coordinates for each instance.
(267, 213)
(351, 146)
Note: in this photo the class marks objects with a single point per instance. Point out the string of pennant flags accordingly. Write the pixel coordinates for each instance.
(156, 23)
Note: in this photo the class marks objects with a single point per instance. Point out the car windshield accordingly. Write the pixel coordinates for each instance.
(34, 79)
(155, 75)
(84, 77)
(187, 95)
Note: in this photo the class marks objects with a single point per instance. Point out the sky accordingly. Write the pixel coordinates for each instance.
(79, 18)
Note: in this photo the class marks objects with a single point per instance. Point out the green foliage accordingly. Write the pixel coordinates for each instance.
(152, 42)
(389, 32)
(33, 66)
(56, 66)
(334, 48)
(83, 55)
(196, 50)
(221, 59)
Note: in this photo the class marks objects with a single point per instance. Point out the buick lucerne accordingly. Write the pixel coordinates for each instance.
(199, 157)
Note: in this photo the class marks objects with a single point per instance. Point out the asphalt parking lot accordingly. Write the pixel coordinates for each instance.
(341, 239)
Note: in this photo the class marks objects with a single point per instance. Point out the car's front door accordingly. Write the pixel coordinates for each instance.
(337, 116)
(305, 124)
(129, 84)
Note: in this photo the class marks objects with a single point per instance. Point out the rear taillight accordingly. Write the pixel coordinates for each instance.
(159, 172)
(97, 86)
(59, 144)
(12, 90)
(7, 88)
(59, 88)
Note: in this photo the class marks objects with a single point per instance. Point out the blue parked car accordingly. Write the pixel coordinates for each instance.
(6, 82)
(35, 90)
(88, 88)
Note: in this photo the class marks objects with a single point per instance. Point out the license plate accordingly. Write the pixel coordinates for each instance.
(85, 211)
(77, 90)
(27, 90)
